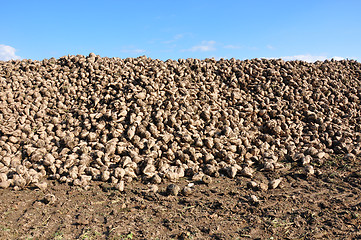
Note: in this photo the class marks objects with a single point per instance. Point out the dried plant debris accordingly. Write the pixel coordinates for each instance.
(79, 119)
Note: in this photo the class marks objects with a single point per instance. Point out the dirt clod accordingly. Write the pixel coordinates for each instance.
(49, 198)
(274, 183)
(172, 189)
(206, 179)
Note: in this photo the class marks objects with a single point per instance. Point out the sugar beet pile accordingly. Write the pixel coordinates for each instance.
(78, 119)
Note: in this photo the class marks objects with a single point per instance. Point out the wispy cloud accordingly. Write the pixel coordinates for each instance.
(232, 47)
(133, 50)
(174, 39)
(7, 53)
(205, 46)
(270, 47)
(310, 58)
(307, 58)
(338, 58)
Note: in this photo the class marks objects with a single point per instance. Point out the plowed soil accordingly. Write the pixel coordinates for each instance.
(326, 206)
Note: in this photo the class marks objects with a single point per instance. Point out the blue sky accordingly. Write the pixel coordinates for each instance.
(306, 30)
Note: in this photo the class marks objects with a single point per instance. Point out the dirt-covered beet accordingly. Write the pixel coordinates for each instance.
(184, 149)
(78, 119)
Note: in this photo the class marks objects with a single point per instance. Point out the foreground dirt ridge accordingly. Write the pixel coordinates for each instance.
(203, 139)
(323, 207)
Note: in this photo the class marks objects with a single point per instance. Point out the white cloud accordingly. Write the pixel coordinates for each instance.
(178, 36)
(175, 38)
(7, 53)
(205, 46)
(133, 51)
(310, 58)
(232, 47)
(270, 47)
(307, 58)
(338, 58)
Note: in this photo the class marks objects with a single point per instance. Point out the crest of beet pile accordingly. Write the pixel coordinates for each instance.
(78, 119)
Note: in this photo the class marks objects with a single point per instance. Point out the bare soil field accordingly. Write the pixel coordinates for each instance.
(327, 206)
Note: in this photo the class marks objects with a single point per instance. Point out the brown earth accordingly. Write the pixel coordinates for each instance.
(327, 206)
